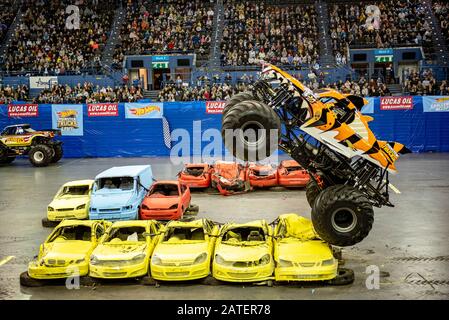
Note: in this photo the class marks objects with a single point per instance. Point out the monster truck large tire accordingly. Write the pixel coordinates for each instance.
(58, 153)
(239, 97)
(312, 192)
(342, 215)
(40, 155)
(254, 118)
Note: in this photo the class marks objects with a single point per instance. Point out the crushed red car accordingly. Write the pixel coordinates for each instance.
(166, 200)
(262, 176)
(195, 175)
(229, 178)
(291, 174)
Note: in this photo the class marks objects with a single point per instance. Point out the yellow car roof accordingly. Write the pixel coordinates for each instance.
(79, 183)
(297, 227)
(132, 223)
(192, 224)
(255, 223)
(65, 223)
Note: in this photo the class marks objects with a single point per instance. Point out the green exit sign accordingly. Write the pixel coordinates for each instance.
(388, 58)
(159, 65)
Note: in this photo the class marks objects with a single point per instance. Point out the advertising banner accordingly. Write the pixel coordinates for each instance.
(102, 110)
(396, 103)
(23, 110)
(435, 104)
(42, 82)
(368, 108)
(68, 118)
(149, 110)
(215, 107)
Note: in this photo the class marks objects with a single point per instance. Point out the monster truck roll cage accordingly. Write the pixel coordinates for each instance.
(318, 159)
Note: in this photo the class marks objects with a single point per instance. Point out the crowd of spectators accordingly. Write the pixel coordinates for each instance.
(45, 41)
(9, 94)
(88, 93)
(7, 15)
(158, 26)
(209, 92)
(441, 10)
(397, 22)
(279, 34)
(423, 83)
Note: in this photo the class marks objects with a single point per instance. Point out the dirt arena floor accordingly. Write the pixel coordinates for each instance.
(408, 243)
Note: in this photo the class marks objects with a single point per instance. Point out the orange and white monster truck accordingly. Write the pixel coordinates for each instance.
(21, 139)
(327, 134)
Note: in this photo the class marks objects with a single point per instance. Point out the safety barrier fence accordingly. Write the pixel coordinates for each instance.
(155, 129)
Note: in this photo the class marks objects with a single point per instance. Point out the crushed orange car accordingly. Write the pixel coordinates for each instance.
(166, 200)
(229, 178)
(291, 174)
(262, 176)
(195, 175)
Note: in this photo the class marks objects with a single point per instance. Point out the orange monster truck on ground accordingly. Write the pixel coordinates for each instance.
(327, 134)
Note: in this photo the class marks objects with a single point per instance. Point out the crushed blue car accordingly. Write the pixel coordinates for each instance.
(118, 192)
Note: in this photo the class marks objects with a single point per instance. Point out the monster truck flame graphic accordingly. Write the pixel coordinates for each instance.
(144, 110)
(67, 119)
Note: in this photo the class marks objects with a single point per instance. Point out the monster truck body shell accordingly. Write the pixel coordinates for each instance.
(21, 135)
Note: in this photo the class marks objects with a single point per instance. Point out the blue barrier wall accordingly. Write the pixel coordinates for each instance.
(119, 136)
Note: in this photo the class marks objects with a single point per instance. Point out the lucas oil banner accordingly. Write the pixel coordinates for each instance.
(435, 104)
(149, 110)
(68, 118)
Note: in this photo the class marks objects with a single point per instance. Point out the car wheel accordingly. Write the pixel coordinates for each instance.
(88, 281)
(27, 281)
(344, 277)
(210, 281)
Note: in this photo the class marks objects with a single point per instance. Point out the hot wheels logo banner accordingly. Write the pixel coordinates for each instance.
(435, 104)
(215, 107)
(144, 110)
(68, 119)
(102, 110)
(396, 103)
(23, 110)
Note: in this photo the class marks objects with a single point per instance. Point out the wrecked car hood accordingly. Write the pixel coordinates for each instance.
(126, 251)
(242, 253)
(180, 251)
(303, 251)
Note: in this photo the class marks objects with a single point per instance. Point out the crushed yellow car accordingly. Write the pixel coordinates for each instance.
(299, 253)
(71, 201)
(184, 251)
(125, 250)
(243, 252)
(67, 249)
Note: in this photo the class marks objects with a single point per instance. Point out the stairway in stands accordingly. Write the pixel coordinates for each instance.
(10, 34)
(395, 89)
(214, 63)
(441, 49)
(114, 35)
(326, 56)
(151, 94)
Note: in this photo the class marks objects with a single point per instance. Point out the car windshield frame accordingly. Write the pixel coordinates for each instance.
(104, 190)
(60, 193)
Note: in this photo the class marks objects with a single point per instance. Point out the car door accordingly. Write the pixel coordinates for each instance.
(185, 196)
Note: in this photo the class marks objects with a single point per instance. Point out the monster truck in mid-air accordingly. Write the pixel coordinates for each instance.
(327, 134)
(40, 146)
